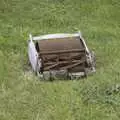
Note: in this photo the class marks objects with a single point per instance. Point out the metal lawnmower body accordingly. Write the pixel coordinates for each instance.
(60, 56)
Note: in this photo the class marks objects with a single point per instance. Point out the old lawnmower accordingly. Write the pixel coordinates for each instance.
(60, 56)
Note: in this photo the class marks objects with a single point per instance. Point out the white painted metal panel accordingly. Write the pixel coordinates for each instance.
(33, 55)
(52, 36)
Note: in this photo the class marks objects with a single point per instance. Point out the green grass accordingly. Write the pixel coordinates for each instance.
(23, 96)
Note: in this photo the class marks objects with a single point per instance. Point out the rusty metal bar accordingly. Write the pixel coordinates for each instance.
(46, 59)
(77, 62)
(62, 51)
(73, 65)
(50, 67)
(62, 62)
(61, 58)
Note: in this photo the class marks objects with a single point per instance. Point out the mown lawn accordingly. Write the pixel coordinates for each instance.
(23, 96)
